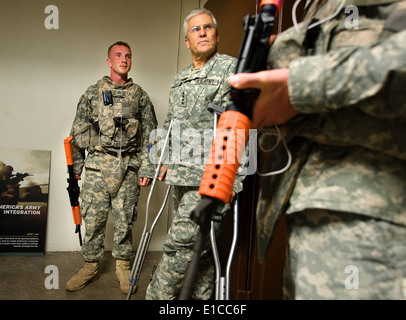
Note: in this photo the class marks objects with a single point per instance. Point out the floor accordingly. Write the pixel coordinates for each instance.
(44, 277)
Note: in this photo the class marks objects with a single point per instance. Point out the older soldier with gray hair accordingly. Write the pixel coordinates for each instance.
(112, 124)
(338, 92)
(193, 88)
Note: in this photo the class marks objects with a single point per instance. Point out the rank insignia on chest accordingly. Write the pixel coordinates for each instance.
(183, 100)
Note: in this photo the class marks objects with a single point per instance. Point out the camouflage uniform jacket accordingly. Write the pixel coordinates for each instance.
(192, 131)
(349, 143)
(131, 104)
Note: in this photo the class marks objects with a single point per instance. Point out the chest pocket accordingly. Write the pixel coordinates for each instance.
(181, 99)
(354, 27)
(118, 123)
(341, 35)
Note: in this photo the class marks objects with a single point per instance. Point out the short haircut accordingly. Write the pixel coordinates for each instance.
(118, 43)
(196, 12)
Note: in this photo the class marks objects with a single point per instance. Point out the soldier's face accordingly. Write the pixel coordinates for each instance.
(202, 36)
(119, 60)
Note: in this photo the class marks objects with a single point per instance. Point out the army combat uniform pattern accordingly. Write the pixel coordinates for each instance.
(191, 92)
(345, 193)
(110, 140)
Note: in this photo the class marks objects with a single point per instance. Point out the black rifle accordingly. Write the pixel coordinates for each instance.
(73, 188)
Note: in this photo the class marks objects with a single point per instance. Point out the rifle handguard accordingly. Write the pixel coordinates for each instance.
(226, 152)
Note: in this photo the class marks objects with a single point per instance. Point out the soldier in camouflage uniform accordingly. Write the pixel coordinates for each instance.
(112, 124)
(192, 90)
(337, 91)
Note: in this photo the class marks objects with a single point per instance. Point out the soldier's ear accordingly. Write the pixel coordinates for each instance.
(187, 43)
(109, 62)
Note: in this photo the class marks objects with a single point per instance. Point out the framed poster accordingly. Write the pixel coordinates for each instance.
(24, 186)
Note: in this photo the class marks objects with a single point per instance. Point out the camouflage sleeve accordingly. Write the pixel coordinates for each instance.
(148, 124)
(371, 77)
(225, 97)
(168, 118)
(81, 120)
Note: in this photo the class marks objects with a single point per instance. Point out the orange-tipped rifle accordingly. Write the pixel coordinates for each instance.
(218, 178)
(73, 188)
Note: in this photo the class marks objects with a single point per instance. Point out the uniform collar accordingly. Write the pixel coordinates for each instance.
(203, 71)
(114, 85)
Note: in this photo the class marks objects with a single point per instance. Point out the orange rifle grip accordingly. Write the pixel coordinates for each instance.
(77, 218)
(227, 149)
(68, 150)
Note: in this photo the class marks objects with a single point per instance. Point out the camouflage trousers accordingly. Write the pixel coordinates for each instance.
(96, 203)
(178, 247)
(338, 255)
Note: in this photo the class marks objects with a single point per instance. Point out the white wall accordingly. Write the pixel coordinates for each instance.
(44, 73)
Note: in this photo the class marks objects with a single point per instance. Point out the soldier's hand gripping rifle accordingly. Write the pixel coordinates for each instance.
(73, 188)
(221, 168)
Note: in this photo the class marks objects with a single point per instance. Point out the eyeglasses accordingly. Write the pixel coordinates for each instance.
(206, 27)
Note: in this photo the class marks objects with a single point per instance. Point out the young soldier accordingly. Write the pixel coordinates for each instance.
(112, 125)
